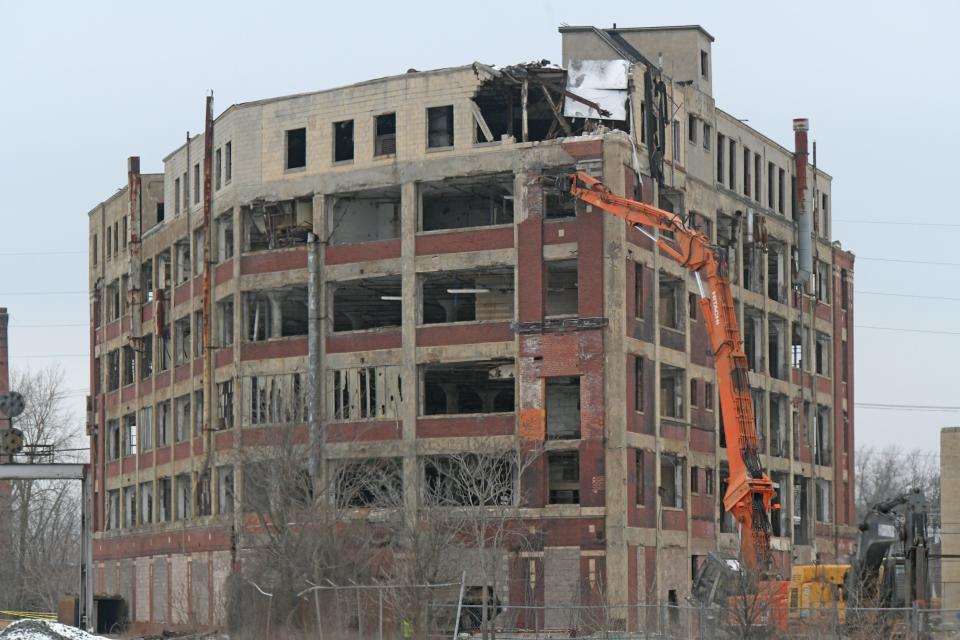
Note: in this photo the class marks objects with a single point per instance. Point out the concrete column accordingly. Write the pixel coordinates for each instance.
(409, 208)
(276, 314)
(615, 384)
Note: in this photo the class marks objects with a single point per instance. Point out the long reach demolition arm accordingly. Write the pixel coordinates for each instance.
(750, 491)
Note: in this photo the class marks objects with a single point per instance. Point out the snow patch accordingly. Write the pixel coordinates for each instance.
(42, 630)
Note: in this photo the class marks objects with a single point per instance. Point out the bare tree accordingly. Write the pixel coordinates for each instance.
(45, 533)
(891, 471)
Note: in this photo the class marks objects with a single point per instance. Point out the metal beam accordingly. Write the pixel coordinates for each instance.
(57, 471)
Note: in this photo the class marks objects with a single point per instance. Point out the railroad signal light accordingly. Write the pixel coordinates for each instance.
(11, 441)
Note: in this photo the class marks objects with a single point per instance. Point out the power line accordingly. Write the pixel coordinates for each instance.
(898, 222)
(48, 326)
(54, 355)
(906, 261)
(933, 331)
(39, 253)
(906, 407)
(906, 295)
(40, 293)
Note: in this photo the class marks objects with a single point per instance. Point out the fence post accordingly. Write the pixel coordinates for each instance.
(380, 592)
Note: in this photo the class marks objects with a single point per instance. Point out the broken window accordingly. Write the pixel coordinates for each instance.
(756, 177)
(801, 510)
(671, 481)
(367, 304)
(182, 418)
(130, 434)
(746, 172)
(228, 162)
(113, 370)
(562, 296)
(467, 296)
(797, 343)
(707, 135)
(563, 472)
(823, 354)
(708, 481)
(296, 148)
(693, 392)
(184, 496)
(692, 128)
(844, 289)
(672, 391)
(732, 182)
(779, 517)
(638, 290)
(468, 387)
(218, 168)
(146, 357)
(694, 480)
(371, 482)
(146, 502)
(198, 250)
(728, 523)
(777, 347)
(113, 439)
(159, 212)
(112, 517)
(771, 185)
(176, 203)
(781, 189)
(130, 506)
(704, 65)
(638, 388)
(276, 399)
(225, 405)
(163, 423)
(343, 141)
(638, 476)
(225, 489)
(198, 415)
(671, 302)
(469, 479)
(163, 347)
(458, 203)
(563, 407)
(278, 313)
(823, 500)
(113, 301)
(364, 393)
(721, 174)
(202, 480)
(276, 224)
(145, 430)
(556, 203)
(758, 397)
(823, 437)
(186, 191)
(385, 134)
(129, 365)
(776, 272)
(94, 251)
(225, 237)
(753, 338)
(225, 321)
(163, 269)
(196, 183)
(197, 334)
(164, 500)
(146, 280)
(440, 127)
(364, 216)
(181, 330)
(824, 273)
(778, 425)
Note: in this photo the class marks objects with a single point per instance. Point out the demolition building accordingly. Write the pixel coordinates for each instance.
(461, 298)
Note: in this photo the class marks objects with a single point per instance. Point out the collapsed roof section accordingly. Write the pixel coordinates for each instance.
(541, 101)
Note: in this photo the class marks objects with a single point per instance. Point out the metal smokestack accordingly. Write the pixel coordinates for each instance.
(804, 211)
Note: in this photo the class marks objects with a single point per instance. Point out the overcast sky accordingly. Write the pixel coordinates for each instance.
(86, 84)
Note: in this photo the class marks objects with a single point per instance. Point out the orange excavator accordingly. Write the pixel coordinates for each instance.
(750, 493)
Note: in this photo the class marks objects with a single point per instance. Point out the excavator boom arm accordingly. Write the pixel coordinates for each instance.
(750, 491)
